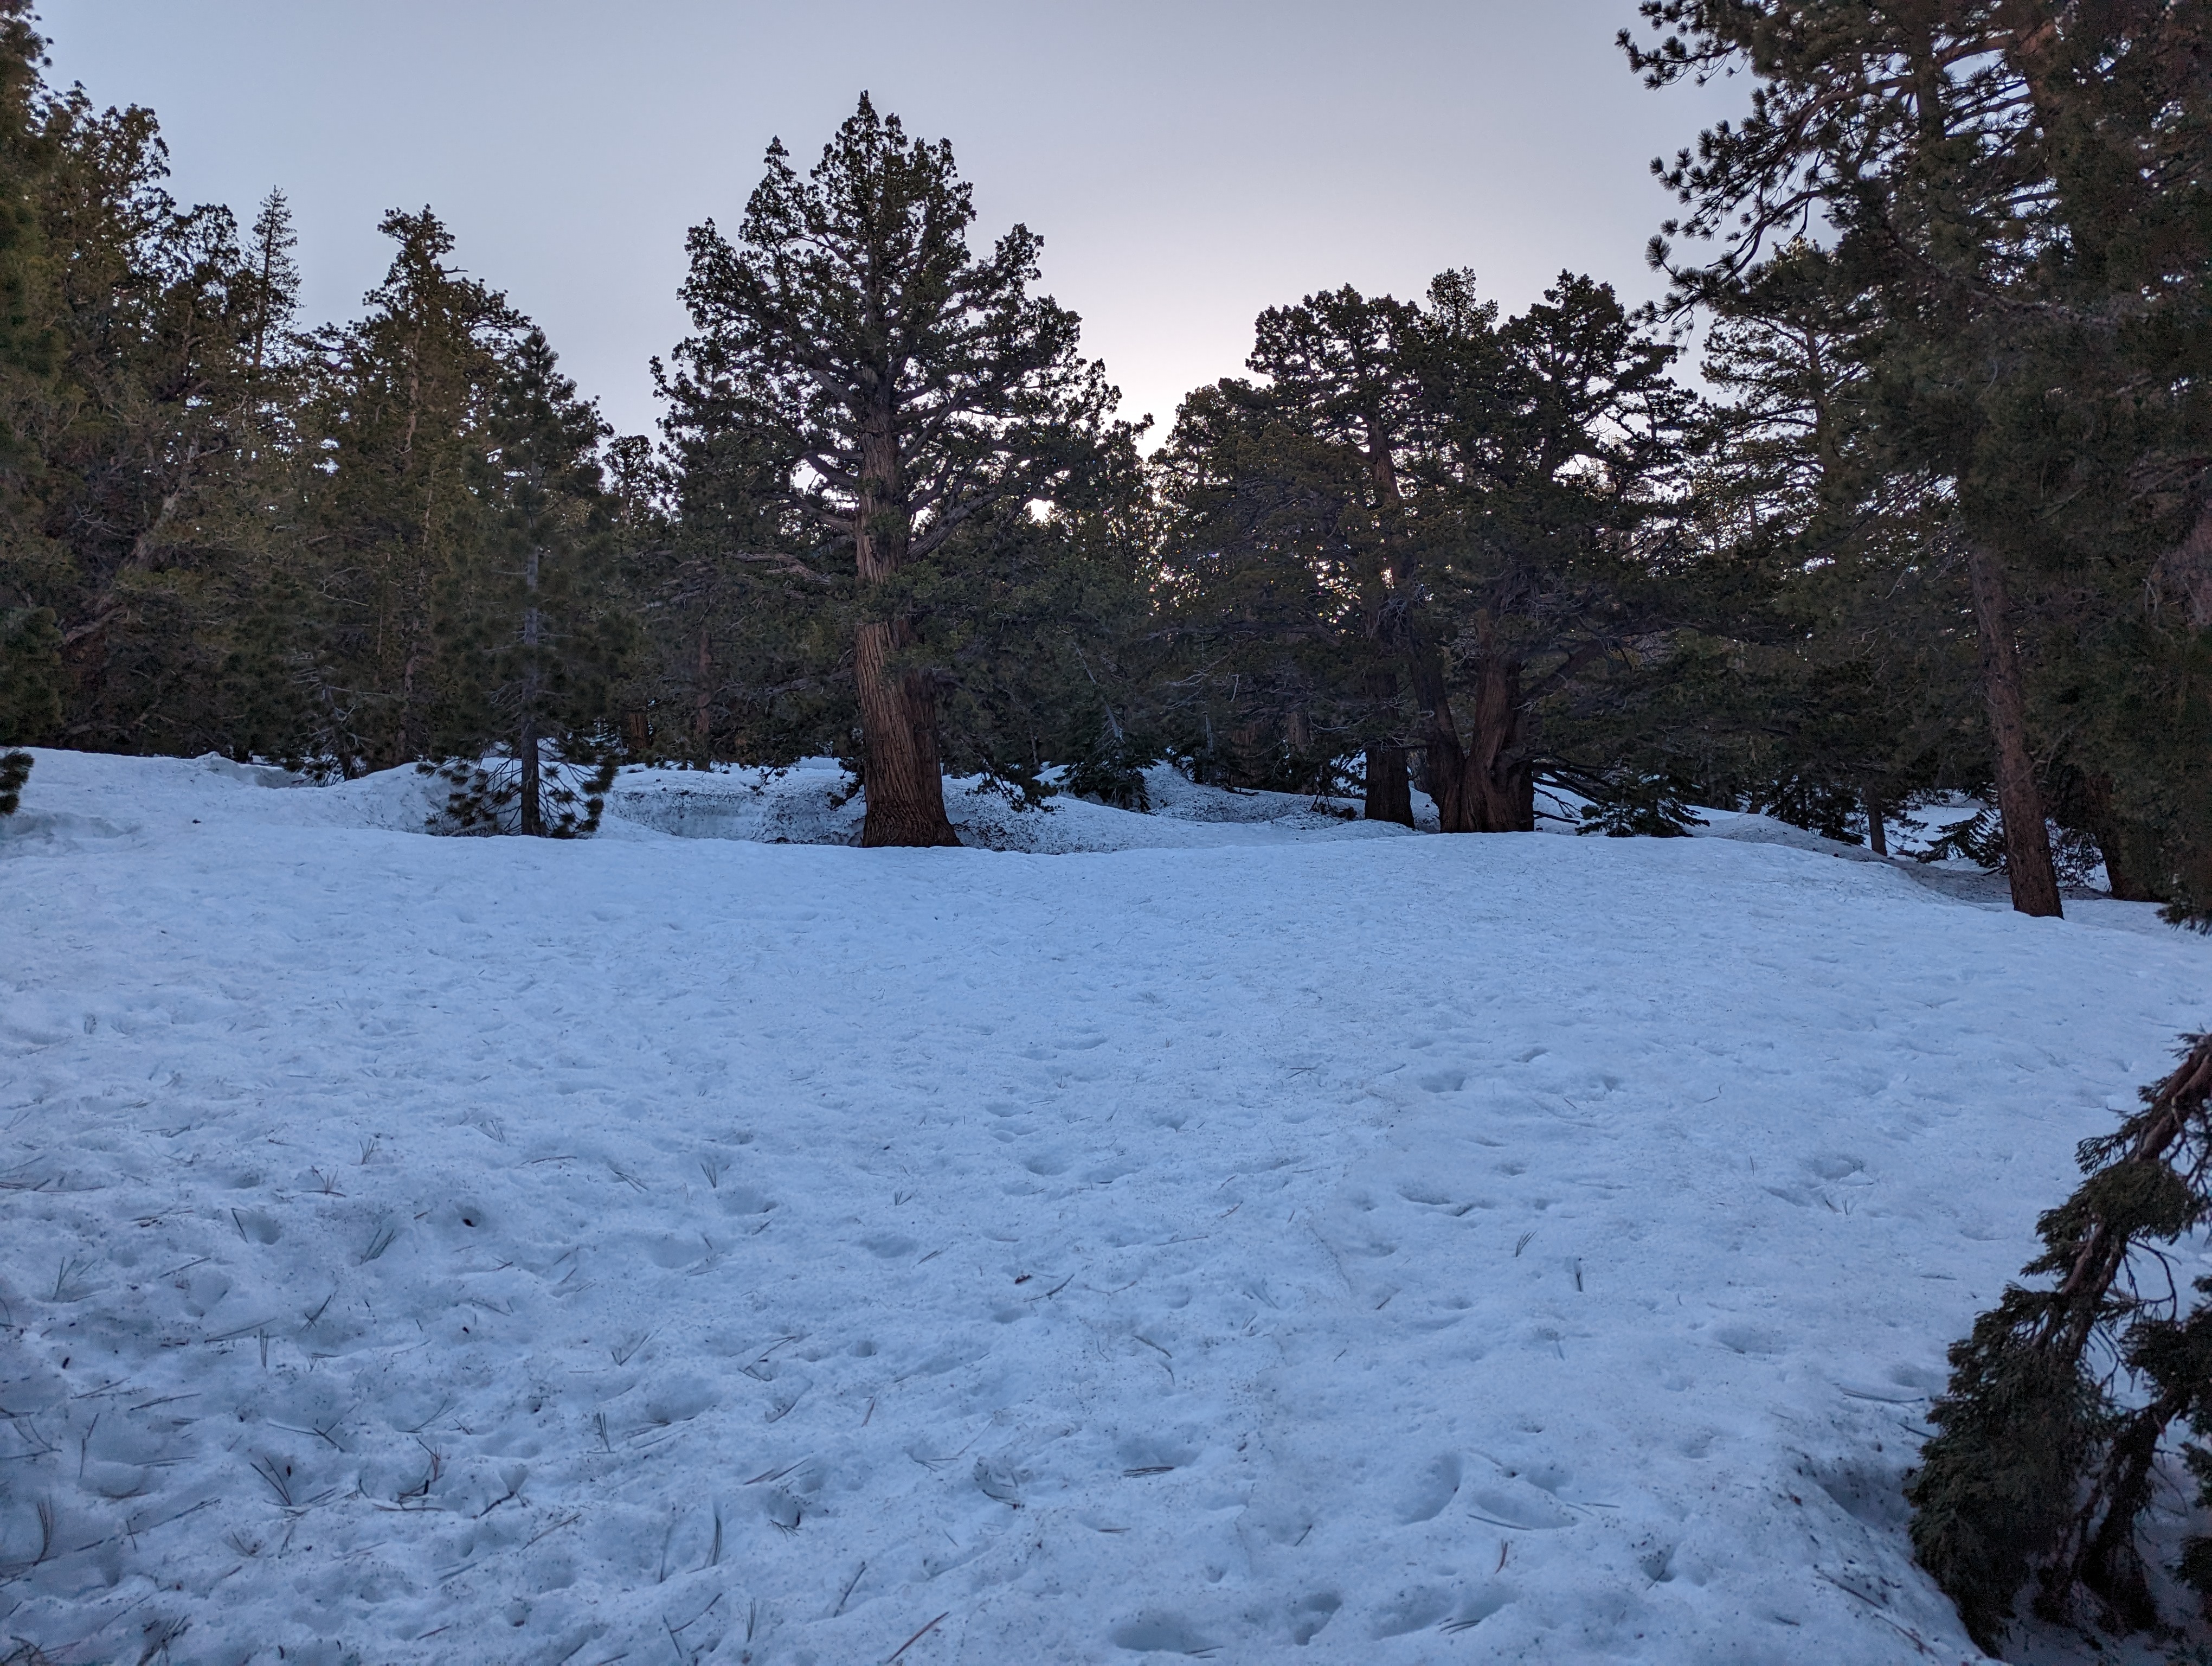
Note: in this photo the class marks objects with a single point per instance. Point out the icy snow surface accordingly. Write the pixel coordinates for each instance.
(1272, 1238)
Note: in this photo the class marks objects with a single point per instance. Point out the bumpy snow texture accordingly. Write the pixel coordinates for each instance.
(1250, 1232)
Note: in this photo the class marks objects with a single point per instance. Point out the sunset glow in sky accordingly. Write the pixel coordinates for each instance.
(1188, 164)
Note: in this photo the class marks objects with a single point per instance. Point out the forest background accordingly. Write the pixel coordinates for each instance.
(1927, 515)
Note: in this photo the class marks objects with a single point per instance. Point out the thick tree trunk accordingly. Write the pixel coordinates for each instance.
(1877, 834)
(1497, 786)
(1389, 794)
(2019, 801)
(902, 778)
(1444, 759)
(904, 781)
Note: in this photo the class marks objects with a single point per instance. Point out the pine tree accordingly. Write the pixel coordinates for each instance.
(1339, 380)
(393, 433)
(908, 383)
(535, 627)
(1850, 691)
(1268, 538)
(1423, 499)
(747, 615)
(2061, 1399)
(2020, 190)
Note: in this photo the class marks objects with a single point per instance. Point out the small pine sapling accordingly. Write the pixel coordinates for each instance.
(1629, 805)
(2060, 1400)
(1979, 839)
(15, 770)
(489, 795)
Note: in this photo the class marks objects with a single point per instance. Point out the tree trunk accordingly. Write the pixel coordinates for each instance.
(1877, 834)
(702, 706)
(1444, 759)
(904, 781)
(531, 806)
(1497, 786)
(2019, 801)
(2130, 851)
(1389, 795)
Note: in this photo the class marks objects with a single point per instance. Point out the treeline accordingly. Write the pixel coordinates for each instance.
(1932, 517)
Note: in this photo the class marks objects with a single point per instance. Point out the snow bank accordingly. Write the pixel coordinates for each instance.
(813, 804)
(1311, 1242)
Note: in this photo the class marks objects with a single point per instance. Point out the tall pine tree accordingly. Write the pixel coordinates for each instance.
(907, 383)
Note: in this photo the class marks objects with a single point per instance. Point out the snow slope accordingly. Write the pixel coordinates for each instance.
(1302, 1242)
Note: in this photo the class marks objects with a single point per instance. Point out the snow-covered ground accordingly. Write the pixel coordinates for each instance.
(1261, 1237)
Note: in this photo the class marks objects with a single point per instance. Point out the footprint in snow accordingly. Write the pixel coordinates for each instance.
(1436, 1487)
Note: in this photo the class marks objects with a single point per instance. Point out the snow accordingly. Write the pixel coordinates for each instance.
(813, 803)
(1264, 1238)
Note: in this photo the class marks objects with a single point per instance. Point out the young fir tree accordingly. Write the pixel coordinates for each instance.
(535, 630)
(907, 383)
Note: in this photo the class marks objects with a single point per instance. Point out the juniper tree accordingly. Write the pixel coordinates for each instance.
(907, 383)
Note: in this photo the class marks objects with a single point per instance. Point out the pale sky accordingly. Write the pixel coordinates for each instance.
(1187, 162)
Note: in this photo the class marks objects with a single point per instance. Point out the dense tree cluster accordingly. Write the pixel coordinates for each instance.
(1932, 516)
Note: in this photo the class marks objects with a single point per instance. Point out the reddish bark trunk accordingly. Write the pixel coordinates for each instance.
(1877, 834)
(1496, 789)
(2028, 866)
(902, 776)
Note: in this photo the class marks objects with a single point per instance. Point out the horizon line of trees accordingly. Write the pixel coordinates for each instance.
(1939, 522)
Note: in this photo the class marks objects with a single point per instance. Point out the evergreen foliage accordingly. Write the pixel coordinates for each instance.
(900, 388)
(1634, 805)
(535, 639)
(1428, 532)
(2045, 1454)
(15, 770)
(1942, 528)
(2015, 205)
